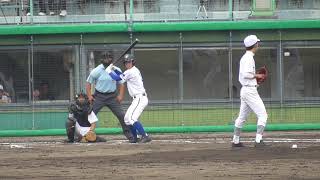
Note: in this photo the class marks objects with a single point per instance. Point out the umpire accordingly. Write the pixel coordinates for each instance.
(106, 92)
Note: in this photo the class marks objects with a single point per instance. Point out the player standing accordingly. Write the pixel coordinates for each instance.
(250, 99)
(105, 93)
(140, 100)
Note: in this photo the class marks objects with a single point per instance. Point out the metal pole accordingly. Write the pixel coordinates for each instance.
(130, 30)
(131, 11)
(179, 9)
(280, 69)
(180, 68)
(78, 64)
(31, 11)
(230, 10)
(230, 68)
(31, 76)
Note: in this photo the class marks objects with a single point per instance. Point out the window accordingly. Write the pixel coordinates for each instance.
(205, 73)
(14, 73)
(53, 69)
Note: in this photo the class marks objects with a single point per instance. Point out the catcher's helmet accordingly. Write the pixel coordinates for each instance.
(129, 58)
(81, 99)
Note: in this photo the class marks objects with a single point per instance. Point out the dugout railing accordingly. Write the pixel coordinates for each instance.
(100, 11)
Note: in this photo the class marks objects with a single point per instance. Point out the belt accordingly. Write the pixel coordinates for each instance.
(105, 93)
(250, 85)
(139, 95)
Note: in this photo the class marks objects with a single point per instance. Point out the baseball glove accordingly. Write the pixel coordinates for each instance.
(89, 137)
(264, 71)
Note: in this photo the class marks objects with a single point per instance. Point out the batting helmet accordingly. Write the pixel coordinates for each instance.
(129, 58)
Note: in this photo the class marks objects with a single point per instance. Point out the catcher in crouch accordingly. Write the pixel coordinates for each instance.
(81, 122)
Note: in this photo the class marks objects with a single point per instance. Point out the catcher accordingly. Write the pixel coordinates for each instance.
(81, 122)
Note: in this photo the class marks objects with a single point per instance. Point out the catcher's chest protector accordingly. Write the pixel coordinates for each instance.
(82, 118)
(80, 113)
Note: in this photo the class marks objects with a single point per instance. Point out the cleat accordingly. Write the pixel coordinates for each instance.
(260, 145)
(128, 135)
(237, 145)
(145, 139)
(68, 141)
(100, 139)
(133, 140)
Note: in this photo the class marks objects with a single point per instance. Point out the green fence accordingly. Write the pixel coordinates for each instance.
(176, 118)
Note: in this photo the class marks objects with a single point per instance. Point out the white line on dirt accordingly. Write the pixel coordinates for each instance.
(169, 141)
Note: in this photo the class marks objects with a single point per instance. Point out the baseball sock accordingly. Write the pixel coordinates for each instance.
(133, 131)
(258, 138)
(138, 126)
(260, 130)
(236, 136)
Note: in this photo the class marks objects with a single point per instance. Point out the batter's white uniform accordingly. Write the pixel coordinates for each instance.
(137, 91)
(250, 99)
(92, 118)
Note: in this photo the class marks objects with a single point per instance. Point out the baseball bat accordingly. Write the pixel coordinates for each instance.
(126, 51)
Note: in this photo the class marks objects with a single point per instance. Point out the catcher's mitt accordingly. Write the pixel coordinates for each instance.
(264, 71)
(89, 137)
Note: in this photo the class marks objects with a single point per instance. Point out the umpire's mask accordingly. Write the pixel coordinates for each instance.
(106, 59)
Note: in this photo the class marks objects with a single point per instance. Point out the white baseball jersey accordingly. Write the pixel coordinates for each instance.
(250, 99)
(247, 70)
(134, 81)
(136, 90)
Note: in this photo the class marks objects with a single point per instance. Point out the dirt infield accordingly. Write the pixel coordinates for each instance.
(170, 156)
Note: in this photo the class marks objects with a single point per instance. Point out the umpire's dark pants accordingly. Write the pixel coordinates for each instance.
(109, 100)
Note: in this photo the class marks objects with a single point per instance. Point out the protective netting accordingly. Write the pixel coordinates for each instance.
(187, 84)
(91, 11)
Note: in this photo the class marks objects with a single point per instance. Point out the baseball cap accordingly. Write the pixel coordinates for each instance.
(1, 87)
(250, 40)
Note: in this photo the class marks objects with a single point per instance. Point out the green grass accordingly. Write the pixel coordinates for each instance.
(214, 116)
(160, 116)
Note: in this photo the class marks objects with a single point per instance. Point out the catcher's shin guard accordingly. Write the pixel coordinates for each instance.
(70, 129)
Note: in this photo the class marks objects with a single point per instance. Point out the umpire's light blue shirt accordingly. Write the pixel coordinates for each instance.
(102, 80)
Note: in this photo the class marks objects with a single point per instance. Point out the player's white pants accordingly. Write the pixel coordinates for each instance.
(135, 109)
(251, 101)
(92, 118)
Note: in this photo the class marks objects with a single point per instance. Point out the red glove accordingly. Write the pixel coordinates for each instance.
(264, 71)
